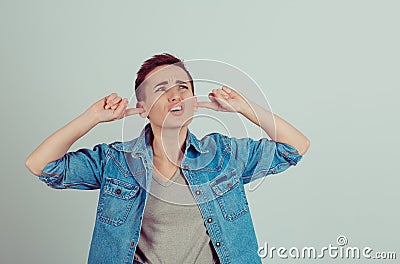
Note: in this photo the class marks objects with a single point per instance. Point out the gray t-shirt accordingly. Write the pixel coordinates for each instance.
(173, 229)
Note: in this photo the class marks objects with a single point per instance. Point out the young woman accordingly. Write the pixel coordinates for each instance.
(213, 224)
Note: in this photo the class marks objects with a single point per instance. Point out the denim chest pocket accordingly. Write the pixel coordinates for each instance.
(229, 195)
(116, 200)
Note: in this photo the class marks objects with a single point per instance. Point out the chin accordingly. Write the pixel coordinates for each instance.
(174, 121)
(171, 125)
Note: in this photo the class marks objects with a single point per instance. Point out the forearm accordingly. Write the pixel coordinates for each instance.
(277, 129)
(57, 144)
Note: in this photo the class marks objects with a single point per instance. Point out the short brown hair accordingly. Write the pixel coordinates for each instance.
(151, 64)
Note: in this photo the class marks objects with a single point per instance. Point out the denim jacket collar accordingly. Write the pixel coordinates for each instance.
(136, 146)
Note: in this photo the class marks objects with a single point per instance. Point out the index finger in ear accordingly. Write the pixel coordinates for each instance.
(210, 105)
(133, 111)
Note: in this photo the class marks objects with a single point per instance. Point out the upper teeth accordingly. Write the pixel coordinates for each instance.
(177, 108)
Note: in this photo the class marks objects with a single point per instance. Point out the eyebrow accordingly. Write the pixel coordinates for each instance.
(165, 82)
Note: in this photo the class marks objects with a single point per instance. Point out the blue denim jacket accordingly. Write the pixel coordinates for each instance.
(216, 168)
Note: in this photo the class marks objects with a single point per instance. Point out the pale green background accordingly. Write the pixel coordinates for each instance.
(331, 68)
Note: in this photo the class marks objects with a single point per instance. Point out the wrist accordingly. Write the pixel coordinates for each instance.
(89, 118)
(245, 111)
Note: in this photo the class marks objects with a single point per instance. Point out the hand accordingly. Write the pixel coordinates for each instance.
(112, 107)
(225, 100)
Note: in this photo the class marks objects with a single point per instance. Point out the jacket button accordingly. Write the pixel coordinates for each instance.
(186, 167)
(218, 244)
(209, 220)
(229, 185)
(198, 192)
(132, 243)
(118, 191)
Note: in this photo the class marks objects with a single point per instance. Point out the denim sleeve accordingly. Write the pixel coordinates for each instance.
(81, 169)
(259, 158)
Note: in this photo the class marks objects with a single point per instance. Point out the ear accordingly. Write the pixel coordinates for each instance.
(141, 104)
(195, 107)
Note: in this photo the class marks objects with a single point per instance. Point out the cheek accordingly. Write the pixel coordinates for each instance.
(155, 108)
(189, 102)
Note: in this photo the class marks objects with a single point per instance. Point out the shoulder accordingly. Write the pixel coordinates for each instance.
(124, 146)
(215, 136)
(214, 139)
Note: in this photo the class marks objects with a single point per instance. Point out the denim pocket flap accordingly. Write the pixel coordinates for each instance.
(120, 189)
(224, 183)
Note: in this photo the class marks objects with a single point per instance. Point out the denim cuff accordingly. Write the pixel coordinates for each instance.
(289, 153)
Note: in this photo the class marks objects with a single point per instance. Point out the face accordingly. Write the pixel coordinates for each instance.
(169, 100)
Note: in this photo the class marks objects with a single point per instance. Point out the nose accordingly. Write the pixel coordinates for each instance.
(174, 95)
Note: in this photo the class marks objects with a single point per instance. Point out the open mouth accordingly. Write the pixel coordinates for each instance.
(178, 109)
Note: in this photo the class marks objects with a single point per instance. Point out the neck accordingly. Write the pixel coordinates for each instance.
(169, 143)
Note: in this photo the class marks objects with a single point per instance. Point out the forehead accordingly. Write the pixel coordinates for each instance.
(168, 73)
